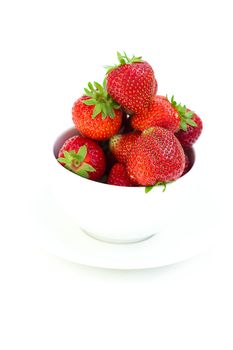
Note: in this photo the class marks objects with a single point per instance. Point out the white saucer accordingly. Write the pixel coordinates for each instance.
(62, 237)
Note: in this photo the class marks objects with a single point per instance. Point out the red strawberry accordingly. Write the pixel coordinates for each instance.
(83, 157)
(121, 145)
(189, 136)
(132, 83)
(160, 113)
(96, 115)
(157, 156)
(118, 176)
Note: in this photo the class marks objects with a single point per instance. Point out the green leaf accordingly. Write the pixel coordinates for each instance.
(96, 110)
(119, 55)
(62, 160)
(110, 68)
(173, 102)
(107, 106)
(191, 122)
(148, 188)
(88, 93)
(127, 58)
(136, 59)
(123, 59)
(82, 152)
(91, 87)
(90, 102)
(105, 83)
(120, 58)
(98, 87)
(68, 156)
(84, 169)
(87, 167)
(188, 114)
(104, 110)
(83, 173)
(101, 100)
(164, 186)
(111, 113)
(77, 157)
(183, 125)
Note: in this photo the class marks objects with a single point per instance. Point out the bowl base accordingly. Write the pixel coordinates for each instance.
(116, 241)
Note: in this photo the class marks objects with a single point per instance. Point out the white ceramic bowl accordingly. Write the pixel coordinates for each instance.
(119, 214)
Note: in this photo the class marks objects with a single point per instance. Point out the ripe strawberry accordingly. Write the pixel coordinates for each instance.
(189, 136)
(163, 113)
(160, 113)
(132, 83)
(96, 115)
(157, 156)
(121, 145)
(118, 176)
(83, 156)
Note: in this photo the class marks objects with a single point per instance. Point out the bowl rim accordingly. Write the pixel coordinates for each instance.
(115, 187)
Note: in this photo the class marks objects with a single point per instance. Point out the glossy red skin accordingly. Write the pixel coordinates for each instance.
(160, 113)
(189, 137)
(157, 156)
(121, 145)
(95, 155)
(95, 128)
(132, 86)
(118, 176)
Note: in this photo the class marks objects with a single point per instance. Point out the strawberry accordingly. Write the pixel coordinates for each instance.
(83, 157)
(132, 83)
(156, 156)
(118, 176)
(121, 145)
(160, 113)
(95, 114)
(189, 136)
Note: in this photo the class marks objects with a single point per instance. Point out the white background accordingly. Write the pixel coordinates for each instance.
(49, 51)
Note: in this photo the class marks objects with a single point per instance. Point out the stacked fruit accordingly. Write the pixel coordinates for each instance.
(127, 134)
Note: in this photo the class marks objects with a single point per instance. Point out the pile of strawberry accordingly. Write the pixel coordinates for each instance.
(129, 135)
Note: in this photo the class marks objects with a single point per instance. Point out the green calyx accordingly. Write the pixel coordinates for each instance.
(75, 162)
(100, 98)
(185, 115)
(123, 59)
(149, 188)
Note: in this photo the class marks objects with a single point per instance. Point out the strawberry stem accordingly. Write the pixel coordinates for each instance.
(149, 188)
